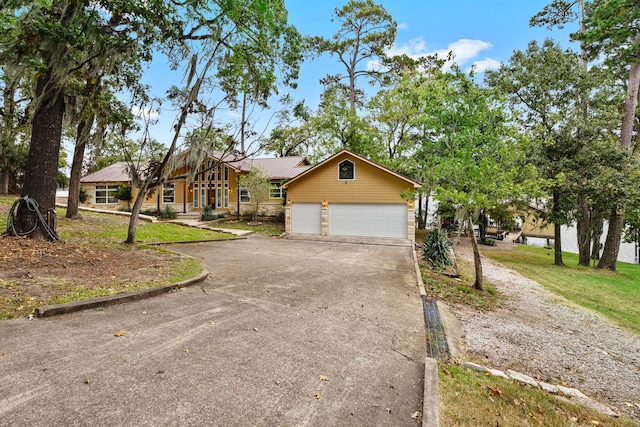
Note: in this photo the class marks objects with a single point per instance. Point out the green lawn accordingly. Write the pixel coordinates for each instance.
(615, 295)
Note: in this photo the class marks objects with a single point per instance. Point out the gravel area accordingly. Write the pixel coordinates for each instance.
(547, 337)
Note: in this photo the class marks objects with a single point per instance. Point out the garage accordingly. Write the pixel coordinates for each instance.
(368, 220)
(306, 218)
(349, 195)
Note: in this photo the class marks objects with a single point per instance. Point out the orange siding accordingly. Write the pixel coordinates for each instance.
(371, 185)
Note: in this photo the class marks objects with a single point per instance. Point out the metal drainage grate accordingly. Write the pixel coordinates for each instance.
(437, 346)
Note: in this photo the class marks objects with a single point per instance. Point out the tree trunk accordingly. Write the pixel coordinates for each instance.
(482, 229)
(616, 223)
(596, 232)
(135, 211)
(612, 243)
(42, 163)
(557, 245)
(76, 168)
(476, 256)
(584, 232)
(557, 258)
(4, 182)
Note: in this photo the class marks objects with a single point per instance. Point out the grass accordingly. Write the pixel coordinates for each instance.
(458, 290)
(469, 398)
(22, 303)
(266, 228)
(615, 295)
(21, 296)
(105, 229)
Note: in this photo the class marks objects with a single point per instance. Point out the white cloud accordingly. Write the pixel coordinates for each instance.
(145, 113)
(403, 26)
(463, 50)
(486, 64)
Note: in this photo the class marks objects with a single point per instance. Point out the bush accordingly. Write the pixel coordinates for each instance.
(150, 212)
(436, 247)
(207, 214)
(280, 217)
(83, 196)
(167, 213)
(487, 241)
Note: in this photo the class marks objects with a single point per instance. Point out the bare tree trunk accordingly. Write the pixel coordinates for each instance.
(584, 232)
(476, 256)
(596, 232)
(42, 163)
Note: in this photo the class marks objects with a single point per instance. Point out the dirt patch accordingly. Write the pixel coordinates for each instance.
(32, 272)
(546, 336)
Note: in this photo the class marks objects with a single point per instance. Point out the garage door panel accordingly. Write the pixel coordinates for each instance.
(306, 218)
(369, 220)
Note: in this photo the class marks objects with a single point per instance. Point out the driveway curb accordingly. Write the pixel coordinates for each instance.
(430, 403)
(109, 300)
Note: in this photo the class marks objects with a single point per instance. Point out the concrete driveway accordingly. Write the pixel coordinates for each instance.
(282, 333)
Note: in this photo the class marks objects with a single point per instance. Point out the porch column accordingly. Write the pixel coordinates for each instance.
(411, 221)
(287, 217)
(325, 219)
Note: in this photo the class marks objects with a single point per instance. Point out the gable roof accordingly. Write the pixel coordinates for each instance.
(117, 172)
(414, 184)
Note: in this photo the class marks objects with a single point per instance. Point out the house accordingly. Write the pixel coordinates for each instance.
(215, 184)
(344, 195)
(349, 195)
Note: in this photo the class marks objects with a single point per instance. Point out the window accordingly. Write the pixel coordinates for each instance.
(346, 170)
(196, 193)
(105, 194)
(245, 196)
(219, 196)
(168, 193)
(275, 192)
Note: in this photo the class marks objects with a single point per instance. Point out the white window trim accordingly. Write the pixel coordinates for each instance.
(248, 195)
(354, 171)
(171, 189)
(276, 188)
(108, 192)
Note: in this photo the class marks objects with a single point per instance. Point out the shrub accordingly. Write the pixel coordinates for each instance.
(436, 247)
(167, 212)
(280, 217)
(487, 241)
(150, 212)
(207, 214)
(83, 196)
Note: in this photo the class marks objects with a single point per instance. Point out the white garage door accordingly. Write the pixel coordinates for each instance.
(306, 218)
(369, 220)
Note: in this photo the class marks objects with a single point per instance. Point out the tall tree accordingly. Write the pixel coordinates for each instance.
(543, 84)
(613, 30)
(469, 155)
(217, 37)
(366, 32)
(51, 42)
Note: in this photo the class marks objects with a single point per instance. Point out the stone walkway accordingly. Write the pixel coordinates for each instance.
(192, 222)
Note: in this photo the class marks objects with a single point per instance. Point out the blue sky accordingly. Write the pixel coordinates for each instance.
(484, 33)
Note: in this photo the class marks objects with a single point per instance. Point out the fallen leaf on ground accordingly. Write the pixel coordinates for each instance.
(120, 333)
(323, 378)
(317, 395)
